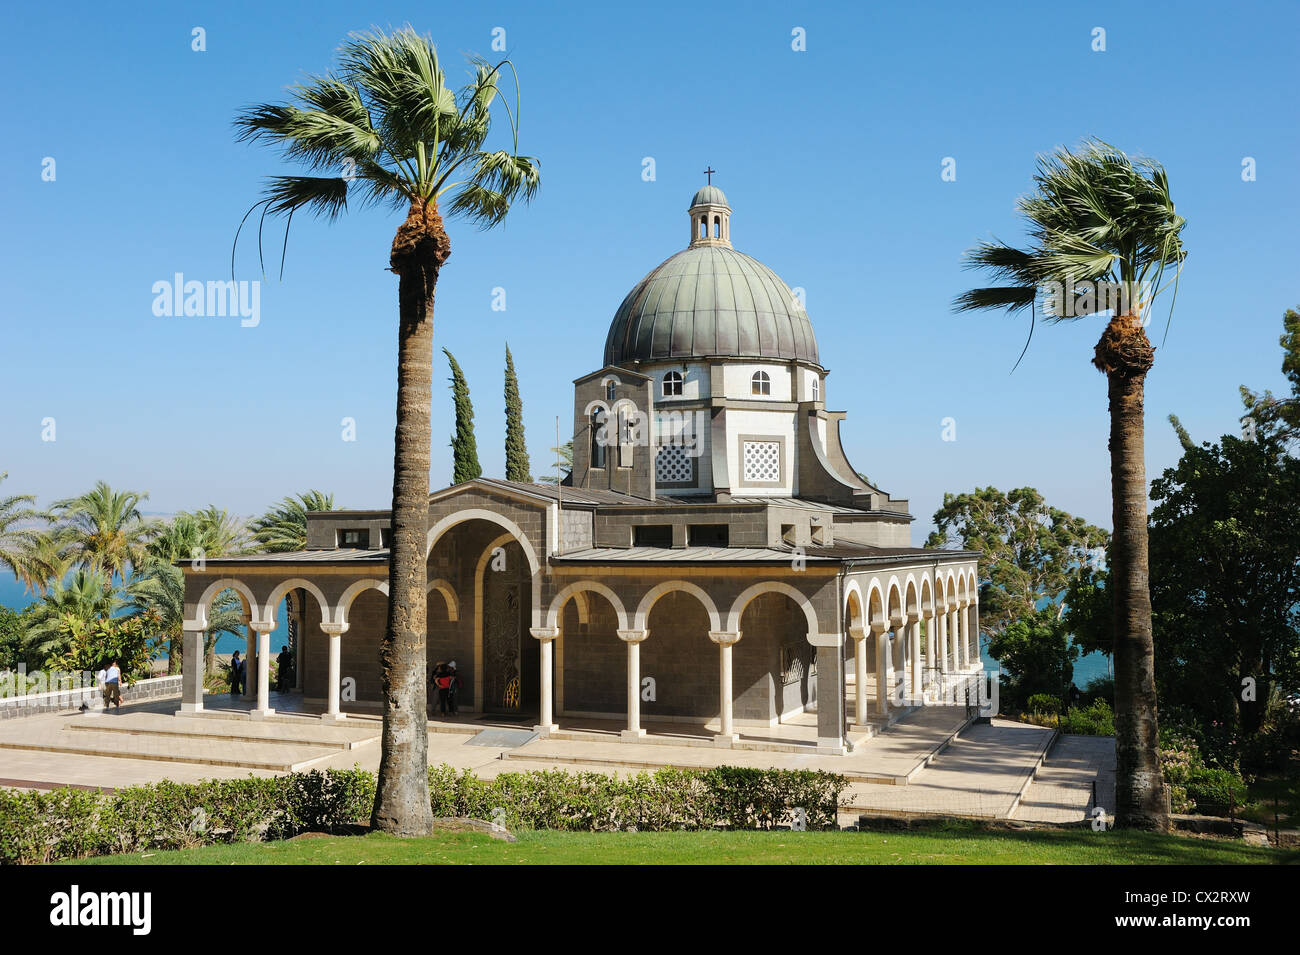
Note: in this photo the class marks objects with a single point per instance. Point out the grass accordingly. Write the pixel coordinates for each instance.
(957, 845)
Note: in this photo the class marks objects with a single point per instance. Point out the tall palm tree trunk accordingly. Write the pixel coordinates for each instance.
(1125, 355)
(402, 797)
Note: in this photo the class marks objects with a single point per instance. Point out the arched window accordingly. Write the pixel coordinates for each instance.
(717, 227)
(817, 389)
(704, 227)
(760, 384)
(611, 391)
(598, 439)
(672, 383)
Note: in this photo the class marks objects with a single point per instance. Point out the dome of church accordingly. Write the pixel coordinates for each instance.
(709, 196)
(710, 300)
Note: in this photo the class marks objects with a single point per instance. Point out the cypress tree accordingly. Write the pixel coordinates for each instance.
(516, 448)
(465, 466)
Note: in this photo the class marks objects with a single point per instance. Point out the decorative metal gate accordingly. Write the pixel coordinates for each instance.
(501, 645)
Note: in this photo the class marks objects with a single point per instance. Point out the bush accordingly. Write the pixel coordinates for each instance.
(38, 827)
(1209, 790)
(1100, 688)
(1096, 719)
(1044, 703)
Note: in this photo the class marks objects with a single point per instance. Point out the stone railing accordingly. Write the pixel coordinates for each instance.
(70, 700)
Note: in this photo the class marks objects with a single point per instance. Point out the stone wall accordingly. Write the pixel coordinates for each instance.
(67, 701)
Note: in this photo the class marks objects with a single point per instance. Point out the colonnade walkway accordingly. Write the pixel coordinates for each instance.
(932, 760)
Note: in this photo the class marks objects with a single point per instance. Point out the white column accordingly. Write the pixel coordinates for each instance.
(250, 659)
(953, 636)
(633, 639)
(546, 637)
(859, 635)
(263, 630)
(963, 619)
(884, 665)
(942, 619)
(931, 639)
(334, 680)
(725, 641)
(973, 611)
(914, 633)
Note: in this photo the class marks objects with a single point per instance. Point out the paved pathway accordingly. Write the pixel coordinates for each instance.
(1063, 790)
(980, 774)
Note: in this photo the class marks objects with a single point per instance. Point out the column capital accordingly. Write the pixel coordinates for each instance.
(545, 634)
(897, 620)
(913, 617)
(856, 631)
(632, 636)
(725, 638)
(334, 629)
(878, 624)
(261, 626)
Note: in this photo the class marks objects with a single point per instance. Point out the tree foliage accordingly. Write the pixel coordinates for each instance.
(1029, 552)
(464, 448)
(517, 468)
(284, 526)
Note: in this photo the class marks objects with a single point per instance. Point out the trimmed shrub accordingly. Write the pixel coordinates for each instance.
(38, 827)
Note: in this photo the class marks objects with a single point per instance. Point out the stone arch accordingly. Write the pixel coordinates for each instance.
(775, 586)
(295, 583)
(875, 601)
(200, 621)
(648, 601)
(349, 595)
(444, 587)
(911, 596)
(854, 610)
(480, 514)
(576, 590)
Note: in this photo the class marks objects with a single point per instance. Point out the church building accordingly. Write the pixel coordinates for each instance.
(712, 559)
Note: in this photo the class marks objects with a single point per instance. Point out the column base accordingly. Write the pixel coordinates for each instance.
(546, 729)
(632, 735)
(725, 741)
(832, 746)
(260, 714)
(191, 707)
(333, 717)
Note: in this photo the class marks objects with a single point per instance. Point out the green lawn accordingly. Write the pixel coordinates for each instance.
(958, 845)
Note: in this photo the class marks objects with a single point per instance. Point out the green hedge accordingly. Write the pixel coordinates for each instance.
(40, 827)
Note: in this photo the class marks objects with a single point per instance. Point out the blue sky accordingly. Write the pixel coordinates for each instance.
(831, 158)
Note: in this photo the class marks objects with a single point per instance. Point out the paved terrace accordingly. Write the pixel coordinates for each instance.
(929, 761)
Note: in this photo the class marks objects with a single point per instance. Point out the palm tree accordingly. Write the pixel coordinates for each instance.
(159, 585)
(387, 122)
(1100, 221)
(18, 533)
(284, 526)
(103, 530)
(86, 597)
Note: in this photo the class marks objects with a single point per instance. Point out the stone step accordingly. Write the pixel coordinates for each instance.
(311, 734)
(275, 757)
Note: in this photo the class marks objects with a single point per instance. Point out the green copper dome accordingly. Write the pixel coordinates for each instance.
(709, 196)
(710, 300)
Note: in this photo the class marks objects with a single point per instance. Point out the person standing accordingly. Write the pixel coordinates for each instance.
(236, 674)
(283, 666)
(113, 686)
(101, 682)
(453, 686)
(441, 681)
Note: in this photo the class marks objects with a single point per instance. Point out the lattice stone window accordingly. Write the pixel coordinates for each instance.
(673, 465)
(762, 461)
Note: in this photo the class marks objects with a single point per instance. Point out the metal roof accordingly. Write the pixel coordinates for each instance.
(681, 555)
(710, 196)
(710, 301)
(328, 555)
